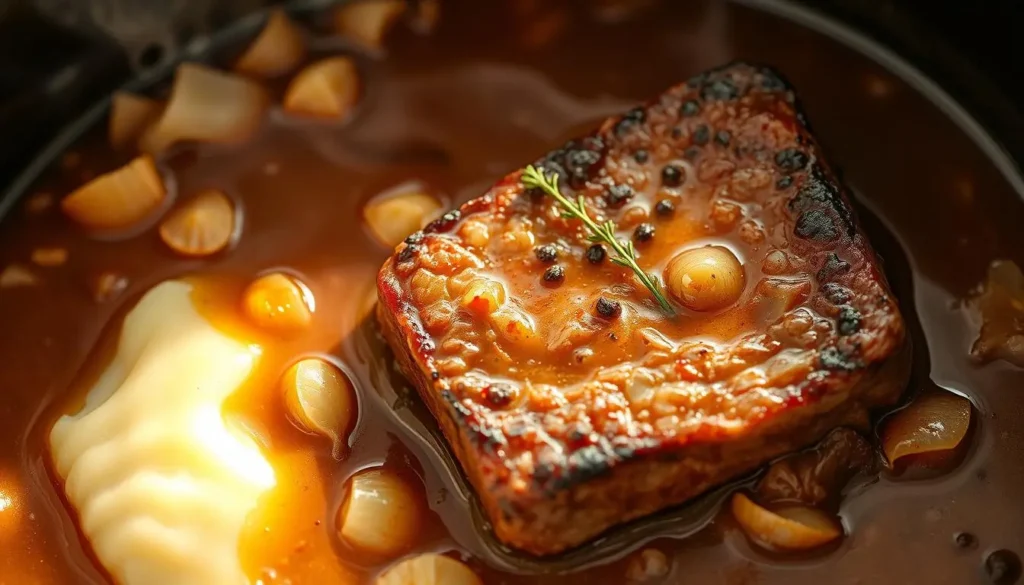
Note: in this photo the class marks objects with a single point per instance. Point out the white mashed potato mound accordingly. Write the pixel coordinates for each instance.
(161, 482)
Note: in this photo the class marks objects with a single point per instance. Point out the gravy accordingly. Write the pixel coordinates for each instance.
(456, 110)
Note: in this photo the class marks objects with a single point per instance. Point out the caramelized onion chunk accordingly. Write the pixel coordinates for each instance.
(119, 199)
(429, 569)
(817, 476)
(1000, 301)
(934, 421)
(320, 399)
(326, 89)
(279, 48)
(710, 278)
(130, 116)
(381, 514)
(207, 106)
(279, 303)
(368, 21)
(393, 215)
(787, 529)
(201, 227)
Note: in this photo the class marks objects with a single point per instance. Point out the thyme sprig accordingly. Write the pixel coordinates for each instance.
(625, 253)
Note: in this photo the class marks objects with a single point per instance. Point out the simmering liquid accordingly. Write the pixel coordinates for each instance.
(456, 110)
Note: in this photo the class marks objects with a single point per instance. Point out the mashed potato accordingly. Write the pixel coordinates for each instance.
(161, 482)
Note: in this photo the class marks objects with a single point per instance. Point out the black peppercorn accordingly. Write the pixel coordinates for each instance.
(722, 137)
(672, 176)
(965, 540)
(643, 232)
(617, 195)
(554, 274)
(607, 308)
(547, 253)
(1003, 567)
(791, 160)
(690, 108)
(595, 254)
(665, 207)
(701, 135)
(691, 152)
(784, 182)
(641, 156)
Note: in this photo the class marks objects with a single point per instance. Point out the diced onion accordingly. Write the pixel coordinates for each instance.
(326, 89)
(392, 216)
(130, 116)
(201, 227)
(381, 514)
(936, 421)
(207, 106)
(278, 49)
(118, 199)
(367, 21)
(429, 569)
(278, 303)
(321, 400)
(787, 529)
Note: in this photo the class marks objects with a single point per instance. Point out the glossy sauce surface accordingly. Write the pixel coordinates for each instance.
(457, 110)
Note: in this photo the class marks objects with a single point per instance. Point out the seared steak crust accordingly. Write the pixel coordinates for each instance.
(568, 420)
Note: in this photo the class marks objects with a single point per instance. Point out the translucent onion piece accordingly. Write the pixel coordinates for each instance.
(393, 216)
(429, 569)
(201, 227)
(278, 49)
(118, 199)
(710, 278)
(789, 529)
(327, 89)
(381, 514)
(1000, 301)
(278, 303)
(17, 275)
(207, 106)
(367, 21)
(936, 421)
(321, 400)
(49, 256)
(130, 115)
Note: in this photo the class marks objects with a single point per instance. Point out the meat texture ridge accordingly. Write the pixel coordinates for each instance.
(568, 421)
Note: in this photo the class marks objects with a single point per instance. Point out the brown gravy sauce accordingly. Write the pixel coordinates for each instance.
(457, 110)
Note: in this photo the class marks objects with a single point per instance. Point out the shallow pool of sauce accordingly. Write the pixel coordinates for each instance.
(457, 110)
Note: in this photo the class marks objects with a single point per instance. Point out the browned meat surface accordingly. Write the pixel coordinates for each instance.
(572, 401)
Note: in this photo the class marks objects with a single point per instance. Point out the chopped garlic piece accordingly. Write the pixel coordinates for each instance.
(161, 482)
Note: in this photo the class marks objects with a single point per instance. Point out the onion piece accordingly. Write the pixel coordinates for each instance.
(203, 226)
(118, 199)
(278, 303)
(130, 115)
(49, 257)
(320, 399)
(936, 421)
(429, 569)
(16, 275)
(207, 106)
(787, 529)
(279, 48)
(367, 21)
(381, 514)
(393, 215)
(328, 88)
